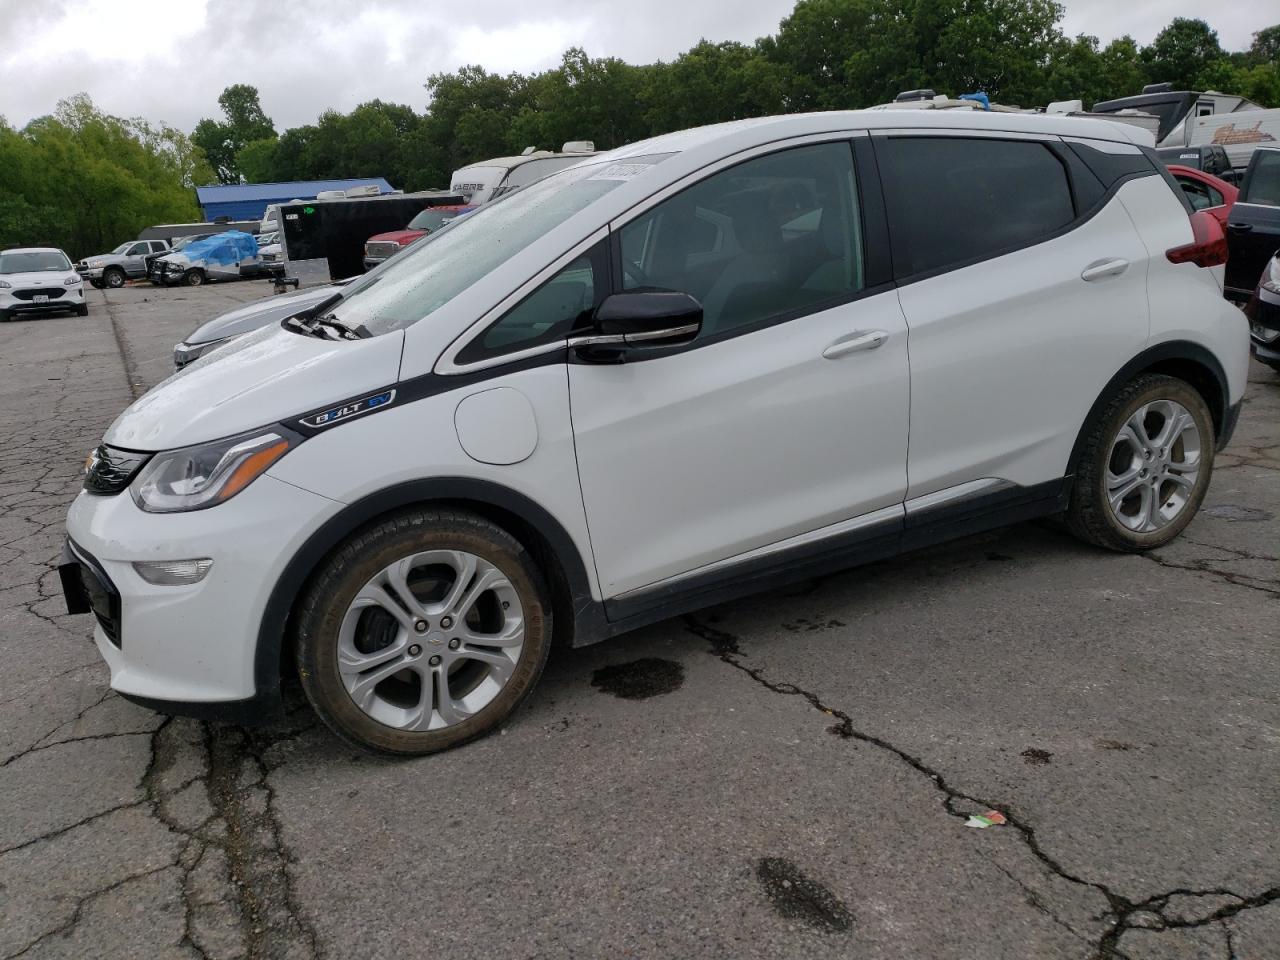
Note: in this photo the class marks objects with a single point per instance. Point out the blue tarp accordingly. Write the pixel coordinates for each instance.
(222, 249)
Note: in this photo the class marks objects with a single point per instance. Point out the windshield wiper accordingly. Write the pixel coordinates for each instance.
(327, 327)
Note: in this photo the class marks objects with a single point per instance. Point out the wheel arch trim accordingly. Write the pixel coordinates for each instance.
(456, 491)
(1154, 358)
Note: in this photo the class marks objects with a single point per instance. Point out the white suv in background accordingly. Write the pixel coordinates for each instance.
(39, 280)
(681, 375)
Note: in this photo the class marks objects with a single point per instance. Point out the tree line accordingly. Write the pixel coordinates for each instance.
(827, 55)
(86, 181)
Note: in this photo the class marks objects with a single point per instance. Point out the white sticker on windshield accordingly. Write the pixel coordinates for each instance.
(620, 171)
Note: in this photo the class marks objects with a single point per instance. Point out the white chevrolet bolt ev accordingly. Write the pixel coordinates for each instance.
(675, 373)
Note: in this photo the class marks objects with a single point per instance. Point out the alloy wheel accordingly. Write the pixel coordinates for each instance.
(1154, 466)
(430, 640)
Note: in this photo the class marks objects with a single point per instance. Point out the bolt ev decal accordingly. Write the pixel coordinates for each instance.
(348, 410)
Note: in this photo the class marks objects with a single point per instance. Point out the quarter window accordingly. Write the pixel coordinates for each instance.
(763, 241)
(561, 305)
(957, 200)
(1201, 195)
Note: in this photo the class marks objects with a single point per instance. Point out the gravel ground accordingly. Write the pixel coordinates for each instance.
(788, 776)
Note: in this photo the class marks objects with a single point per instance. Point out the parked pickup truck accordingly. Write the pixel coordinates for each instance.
(383, 245)
(1253, 226)
(125, 262)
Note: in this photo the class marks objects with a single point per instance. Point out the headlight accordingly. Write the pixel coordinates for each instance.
(71, 281)
(5, 284)
(193, 478)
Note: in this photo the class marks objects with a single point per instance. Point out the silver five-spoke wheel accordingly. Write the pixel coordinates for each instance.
(430, 640)
(1153, 467)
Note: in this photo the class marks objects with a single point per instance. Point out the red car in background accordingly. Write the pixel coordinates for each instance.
(383, 245)
(1205, 191)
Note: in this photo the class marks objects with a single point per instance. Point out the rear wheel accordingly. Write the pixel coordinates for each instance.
(113, 277)
(423, 632)
(193, 278)
(1145, 467)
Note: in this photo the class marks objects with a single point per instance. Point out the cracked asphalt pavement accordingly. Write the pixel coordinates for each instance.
(785, 776)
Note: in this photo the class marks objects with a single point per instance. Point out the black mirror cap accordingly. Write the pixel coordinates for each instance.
(638, 313)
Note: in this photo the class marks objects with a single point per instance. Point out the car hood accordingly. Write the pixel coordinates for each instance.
(260, 313)
(40, 278)
(398, 236)
(264, 377)
(99, 259)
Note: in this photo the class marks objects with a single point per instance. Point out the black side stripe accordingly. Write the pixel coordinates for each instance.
(407, 391)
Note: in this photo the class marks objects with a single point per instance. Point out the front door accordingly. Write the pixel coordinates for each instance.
(787, 414)
(1253, 226)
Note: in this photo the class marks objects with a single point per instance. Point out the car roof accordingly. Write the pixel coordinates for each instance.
(32, 250)
(794, 125)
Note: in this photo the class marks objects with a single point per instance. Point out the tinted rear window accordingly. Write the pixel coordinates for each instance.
(954, 200)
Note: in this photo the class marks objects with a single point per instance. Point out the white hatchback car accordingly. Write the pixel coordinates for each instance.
(39, 280)
(671, 374)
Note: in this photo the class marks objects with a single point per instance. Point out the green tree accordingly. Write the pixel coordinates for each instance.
(1266, 45)
(1181, 52)
(244, 122)
(85, 181)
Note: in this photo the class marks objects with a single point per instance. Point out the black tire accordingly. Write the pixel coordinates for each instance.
(96, 284)
(82, 310)
(193, 278)
(1273, 364)
(113, 277)
(6, 316)
(351, 566)
(1089, 515)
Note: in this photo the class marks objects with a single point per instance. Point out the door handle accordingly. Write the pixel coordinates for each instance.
(854, 342)
(1239, 227)
(1101, 269)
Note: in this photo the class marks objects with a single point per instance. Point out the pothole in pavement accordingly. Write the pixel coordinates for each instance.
(795, 896)
(639, 679)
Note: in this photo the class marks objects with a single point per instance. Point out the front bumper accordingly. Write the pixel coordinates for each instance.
(89, 273)
(187, 649)
(66, 298)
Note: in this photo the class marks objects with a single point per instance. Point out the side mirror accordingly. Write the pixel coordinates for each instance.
(641, 318)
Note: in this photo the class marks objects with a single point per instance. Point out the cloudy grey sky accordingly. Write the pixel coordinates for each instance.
(169, 61)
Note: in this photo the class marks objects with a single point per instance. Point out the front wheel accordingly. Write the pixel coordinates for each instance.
(423, 632)
(193, 278)
(113, 277)
(1145, 466)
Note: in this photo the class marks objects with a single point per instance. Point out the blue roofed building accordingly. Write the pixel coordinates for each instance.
(248, 201)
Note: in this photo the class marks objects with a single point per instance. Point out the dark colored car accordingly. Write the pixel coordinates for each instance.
(1253, 229)
(1209, 158)
(1263, 311)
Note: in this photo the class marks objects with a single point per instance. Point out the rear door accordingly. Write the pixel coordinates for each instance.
(1024, 289)
(1253, 227)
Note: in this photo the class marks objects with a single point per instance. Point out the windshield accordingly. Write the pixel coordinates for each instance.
(433, 271)
(35, 261)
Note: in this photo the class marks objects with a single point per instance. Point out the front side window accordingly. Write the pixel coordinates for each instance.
(761, 241)
(138, 250)
(1263, 184)
(957, 200)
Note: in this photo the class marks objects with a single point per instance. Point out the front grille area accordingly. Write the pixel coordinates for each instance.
(53, 293)
(110, 470)
(380, 250)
